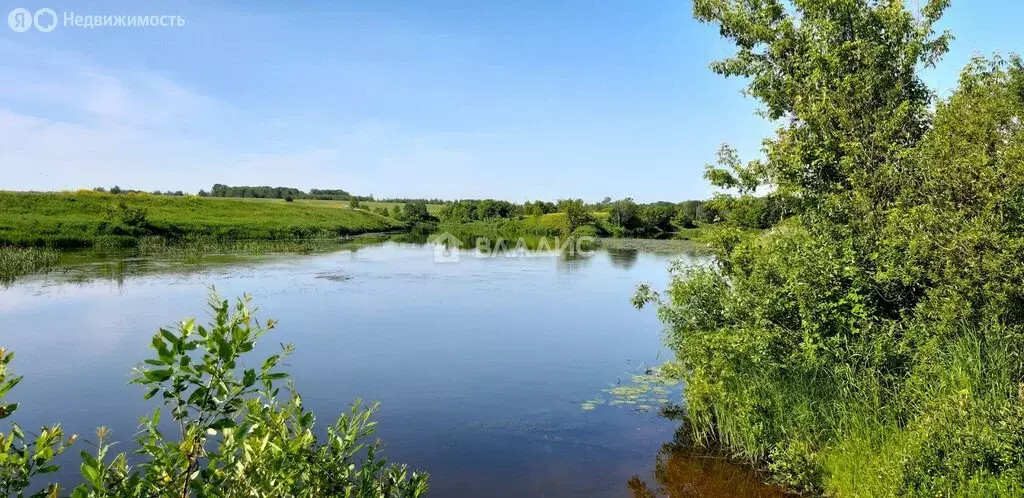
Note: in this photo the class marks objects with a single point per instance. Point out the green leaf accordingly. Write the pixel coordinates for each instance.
(171, 338)
(249, 378)
(158, 375)
(47, 469)
(223, 423)
(7, 386)
(91, 472)
(7, 410)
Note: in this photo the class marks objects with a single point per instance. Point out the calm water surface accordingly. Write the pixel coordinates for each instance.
(480, 366)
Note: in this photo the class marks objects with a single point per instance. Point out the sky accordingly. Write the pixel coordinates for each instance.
(516, 100)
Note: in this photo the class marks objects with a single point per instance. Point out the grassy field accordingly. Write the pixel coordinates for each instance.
(80, 219)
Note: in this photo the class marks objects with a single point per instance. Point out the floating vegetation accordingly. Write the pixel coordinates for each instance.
(333, 276)
(646, 391)
(657, 246)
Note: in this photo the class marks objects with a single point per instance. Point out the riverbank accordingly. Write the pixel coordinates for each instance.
(86, 218)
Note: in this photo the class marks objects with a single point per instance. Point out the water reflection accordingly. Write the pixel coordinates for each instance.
(623, 258)
(191, 259)
(684, 469)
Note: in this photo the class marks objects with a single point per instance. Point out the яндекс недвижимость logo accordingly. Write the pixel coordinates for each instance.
(46, 20)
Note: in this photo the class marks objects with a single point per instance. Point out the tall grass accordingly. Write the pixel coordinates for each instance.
(15, 261)
(954, 426)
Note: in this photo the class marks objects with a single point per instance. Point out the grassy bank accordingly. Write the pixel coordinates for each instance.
(554, 224)
(81, 219)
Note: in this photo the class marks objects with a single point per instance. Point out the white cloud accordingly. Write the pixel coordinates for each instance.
(66, 124)
(67, 86)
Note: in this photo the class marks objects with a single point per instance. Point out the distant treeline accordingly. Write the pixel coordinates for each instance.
(624, 216)
(265, 192)
(627, 217)
(118, 190)
(749, 212)
(403, 200)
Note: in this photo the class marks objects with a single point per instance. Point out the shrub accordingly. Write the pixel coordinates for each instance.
(238, 435)
(127, 215)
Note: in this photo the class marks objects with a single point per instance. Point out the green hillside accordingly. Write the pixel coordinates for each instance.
(75, 219)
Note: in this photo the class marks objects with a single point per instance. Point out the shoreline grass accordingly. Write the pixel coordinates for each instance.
(16, 261)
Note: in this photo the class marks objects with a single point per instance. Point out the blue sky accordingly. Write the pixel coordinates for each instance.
(514, 100)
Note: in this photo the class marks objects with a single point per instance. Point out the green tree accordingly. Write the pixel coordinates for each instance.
(416, 211)
(576, 212)
(838, 334)
(706, 213)
(686, 214)
(842, 75)
(625, 213)
(657, 217)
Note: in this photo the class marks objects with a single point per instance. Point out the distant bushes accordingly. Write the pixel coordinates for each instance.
(465, 211)
(413, 213)
(626, 218)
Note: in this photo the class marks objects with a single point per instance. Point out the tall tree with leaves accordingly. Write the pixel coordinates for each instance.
(841, 77)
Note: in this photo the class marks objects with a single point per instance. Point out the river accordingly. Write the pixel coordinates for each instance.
(490, 371)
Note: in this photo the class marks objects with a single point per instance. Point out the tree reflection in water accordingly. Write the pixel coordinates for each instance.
(683, 469)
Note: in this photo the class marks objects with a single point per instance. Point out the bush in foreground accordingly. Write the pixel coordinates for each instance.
(237, 435)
